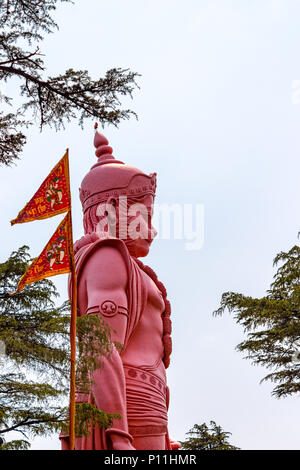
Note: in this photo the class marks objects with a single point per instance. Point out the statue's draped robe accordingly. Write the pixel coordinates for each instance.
(134, 408)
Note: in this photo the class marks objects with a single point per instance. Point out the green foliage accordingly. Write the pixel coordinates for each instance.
(14, 445)
(51, 101)
(12, 141)
(205, 437)
(272, 324)
(28, 17)
(34, 331)
(88, 416)
(35, 335)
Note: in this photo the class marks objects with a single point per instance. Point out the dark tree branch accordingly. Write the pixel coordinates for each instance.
(27, 422)
(22, 58)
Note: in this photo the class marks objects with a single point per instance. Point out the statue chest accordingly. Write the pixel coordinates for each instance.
(155, 306)
(154, 296)
(145, 347)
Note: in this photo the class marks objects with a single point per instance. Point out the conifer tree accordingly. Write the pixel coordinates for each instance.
(204, 437)
(272, 324)
(34, 356)
(54, 100)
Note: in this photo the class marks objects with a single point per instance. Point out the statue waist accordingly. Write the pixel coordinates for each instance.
(153, 380)
(146, 401)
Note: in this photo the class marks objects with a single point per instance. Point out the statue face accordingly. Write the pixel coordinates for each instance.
(128, 219)
(140, 230)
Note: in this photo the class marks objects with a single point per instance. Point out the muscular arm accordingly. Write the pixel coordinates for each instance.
(104, 280)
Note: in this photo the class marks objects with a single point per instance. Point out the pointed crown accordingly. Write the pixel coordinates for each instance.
(112, 178)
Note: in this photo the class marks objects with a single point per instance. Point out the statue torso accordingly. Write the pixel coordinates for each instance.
(145, 348)
(147, 336)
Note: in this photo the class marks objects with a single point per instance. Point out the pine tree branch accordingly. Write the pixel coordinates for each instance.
(24, 57)
(27, 422)
(32, 78)
(78, 95)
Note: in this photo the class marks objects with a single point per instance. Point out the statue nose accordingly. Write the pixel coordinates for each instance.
(152, 233)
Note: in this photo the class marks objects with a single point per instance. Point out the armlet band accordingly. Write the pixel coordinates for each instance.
(108, 308)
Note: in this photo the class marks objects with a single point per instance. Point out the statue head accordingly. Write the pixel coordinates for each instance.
(117, 200)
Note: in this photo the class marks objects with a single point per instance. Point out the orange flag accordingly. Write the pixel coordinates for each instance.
(56, 257)
(53, 196)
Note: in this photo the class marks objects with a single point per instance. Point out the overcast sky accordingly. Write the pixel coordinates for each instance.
(219, 121)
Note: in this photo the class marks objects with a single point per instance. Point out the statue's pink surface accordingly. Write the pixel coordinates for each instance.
(115, 284)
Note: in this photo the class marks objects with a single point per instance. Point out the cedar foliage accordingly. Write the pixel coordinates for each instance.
(272, 324)
(49, 100)
(35, 362)
(207, 437)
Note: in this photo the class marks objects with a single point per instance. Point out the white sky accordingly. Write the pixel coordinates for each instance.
(218, 124)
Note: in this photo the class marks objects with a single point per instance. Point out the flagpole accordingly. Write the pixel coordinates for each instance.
(73, 352)
(72, 338)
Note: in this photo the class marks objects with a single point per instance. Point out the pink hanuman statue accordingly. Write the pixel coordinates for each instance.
(115, 284)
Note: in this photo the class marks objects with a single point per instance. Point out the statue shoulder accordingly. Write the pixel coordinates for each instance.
(104, 261)
(106, 268)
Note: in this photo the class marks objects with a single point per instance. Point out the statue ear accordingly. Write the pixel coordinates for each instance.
(112, 201)
(112, 218)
